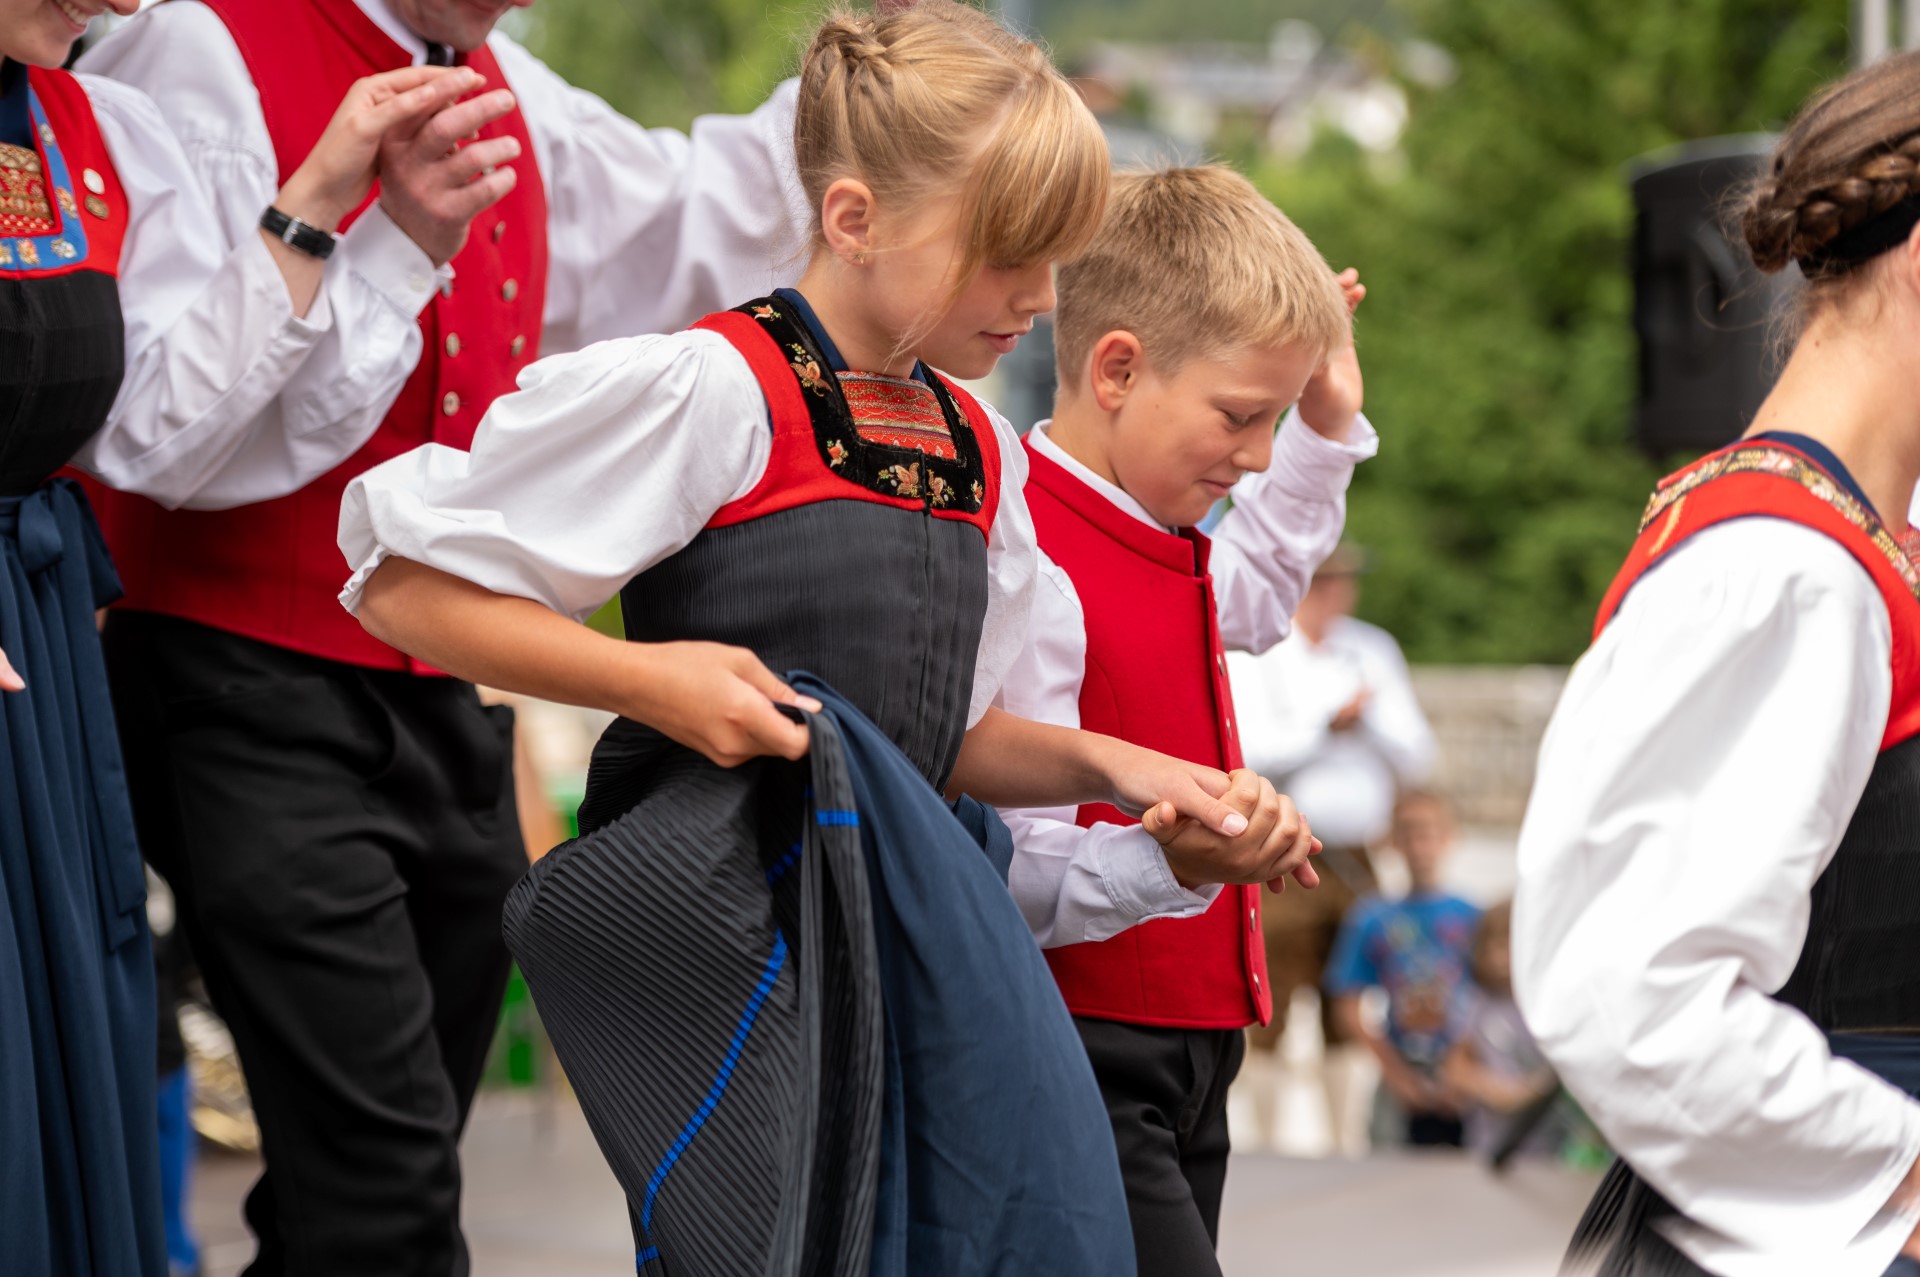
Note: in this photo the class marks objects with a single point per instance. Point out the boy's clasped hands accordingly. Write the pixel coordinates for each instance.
(1273, 845)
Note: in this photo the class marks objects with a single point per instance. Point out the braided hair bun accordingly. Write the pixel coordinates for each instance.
(1852, 154)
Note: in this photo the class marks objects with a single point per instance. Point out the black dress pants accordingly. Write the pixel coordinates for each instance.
(340, 841)
(1166, 1094)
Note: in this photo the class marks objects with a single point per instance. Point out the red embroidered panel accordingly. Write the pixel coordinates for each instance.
(900, 413)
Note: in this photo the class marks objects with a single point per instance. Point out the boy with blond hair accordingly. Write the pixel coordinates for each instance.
(1204, 349)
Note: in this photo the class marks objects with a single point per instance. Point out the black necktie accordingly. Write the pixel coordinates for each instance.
(438, 55)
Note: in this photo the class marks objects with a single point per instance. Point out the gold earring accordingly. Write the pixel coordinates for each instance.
(859, 259)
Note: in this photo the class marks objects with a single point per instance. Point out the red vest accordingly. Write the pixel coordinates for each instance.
(272, 571)
(1156, 675)
(1767, 478)
(91, 225)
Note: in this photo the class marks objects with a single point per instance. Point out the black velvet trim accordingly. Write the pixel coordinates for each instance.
(895, 471)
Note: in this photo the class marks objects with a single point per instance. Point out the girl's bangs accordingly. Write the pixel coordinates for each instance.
(1040, 189)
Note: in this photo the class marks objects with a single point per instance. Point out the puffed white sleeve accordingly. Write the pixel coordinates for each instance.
(1696, 779)
(649, 229)
(601, 464)
(1075, 885)
(1284, 522)
(1012, 559)
(237, 400)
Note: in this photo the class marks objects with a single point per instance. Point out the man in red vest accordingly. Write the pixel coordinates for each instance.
(336, 819)
(1198, 317)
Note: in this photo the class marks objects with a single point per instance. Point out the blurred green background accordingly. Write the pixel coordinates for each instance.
(1492, 228)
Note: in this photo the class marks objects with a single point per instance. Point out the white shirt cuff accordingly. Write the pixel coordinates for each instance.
(377, 250)
(1137, 877)
(1307, 463)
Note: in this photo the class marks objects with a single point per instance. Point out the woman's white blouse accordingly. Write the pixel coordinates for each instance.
(210, 336)
(1697, 777)
(609, 460)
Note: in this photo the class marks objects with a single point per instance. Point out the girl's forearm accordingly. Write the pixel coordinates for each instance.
(513, 644)
(1008, 761)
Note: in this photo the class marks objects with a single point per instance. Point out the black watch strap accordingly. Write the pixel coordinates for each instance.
(298, 235)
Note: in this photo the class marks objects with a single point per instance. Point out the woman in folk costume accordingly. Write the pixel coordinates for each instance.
(98, 267)
(1713, 936)
(803, 1016)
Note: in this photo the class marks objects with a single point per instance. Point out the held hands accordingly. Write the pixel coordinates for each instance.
(1274, 843)
(718, 701)
(339, 171)
(1334, 393)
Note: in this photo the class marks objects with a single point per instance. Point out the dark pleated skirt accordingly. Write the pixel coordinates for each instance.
(79, 1166)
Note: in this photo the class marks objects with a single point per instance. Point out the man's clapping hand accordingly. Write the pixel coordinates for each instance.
(436, 176)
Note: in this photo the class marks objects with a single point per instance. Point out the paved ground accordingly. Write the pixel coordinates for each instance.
(540, 1203)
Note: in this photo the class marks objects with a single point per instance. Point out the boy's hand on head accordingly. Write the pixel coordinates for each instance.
(1334, 393)
(1275, 843)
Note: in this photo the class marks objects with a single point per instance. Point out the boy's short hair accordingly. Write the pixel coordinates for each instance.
(1195, 261)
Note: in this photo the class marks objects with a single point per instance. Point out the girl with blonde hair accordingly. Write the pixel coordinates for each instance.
(806, 1022)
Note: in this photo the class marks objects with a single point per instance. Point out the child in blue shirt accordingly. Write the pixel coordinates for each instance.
(1419, 950)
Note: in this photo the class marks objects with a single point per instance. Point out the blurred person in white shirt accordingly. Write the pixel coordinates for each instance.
(1330, 716)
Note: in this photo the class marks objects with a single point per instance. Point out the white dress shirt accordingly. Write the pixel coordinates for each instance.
(1344, 782)
(608, 460)
(1076, 885)
(210, 334)
(1702, 766)
(648, 229)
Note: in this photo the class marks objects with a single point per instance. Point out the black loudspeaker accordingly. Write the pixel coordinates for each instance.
(1700, 309)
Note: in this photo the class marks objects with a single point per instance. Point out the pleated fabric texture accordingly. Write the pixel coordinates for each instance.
(704, 964)
(79, 1161)
(808, 1025)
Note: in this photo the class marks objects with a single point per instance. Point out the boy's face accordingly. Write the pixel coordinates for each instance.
(1423, 834)
(1181, 441)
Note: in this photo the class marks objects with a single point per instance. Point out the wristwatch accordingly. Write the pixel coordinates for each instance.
(300, 236)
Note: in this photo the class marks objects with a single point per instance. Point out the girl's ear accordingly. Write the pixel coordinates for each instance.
(846, 219)
(1117, 361)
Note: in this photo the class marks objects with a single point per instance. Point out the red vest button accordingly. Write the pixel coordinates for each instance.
(519, 344)
(451, 404)
(510, 289)
(453, 343)
(499, 229)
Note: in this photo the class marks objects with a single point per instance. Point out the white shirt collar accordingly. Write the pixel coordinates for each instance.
(383, 16)
(1053, 452)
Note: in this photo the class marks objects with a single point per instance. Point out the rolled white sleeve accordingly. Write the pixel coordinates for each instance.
(1072, 884)
(649, 229)
(272, 401)
(1284, 522)
(1699, 773)
(603, 463)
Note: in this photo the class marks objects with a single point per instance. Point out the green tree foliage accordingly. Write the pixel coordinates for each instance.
(663, 62)
(1496, 337)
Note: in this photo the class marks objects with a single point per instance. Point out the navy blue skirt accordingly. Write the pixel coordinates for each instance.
(79, 1176)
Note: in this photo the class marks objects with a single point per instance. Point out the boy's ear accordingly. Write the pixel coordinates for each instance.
(846, 219)
(1118, 361)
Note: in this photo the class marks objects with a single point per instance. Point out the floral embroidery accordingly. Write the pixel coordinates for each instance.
(1762, 459)
(901, 438)
(807, 369)
(905, 479)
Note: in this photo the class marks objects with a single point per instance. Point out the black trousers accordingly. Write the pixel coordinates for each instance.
(1166, 1094)
(340, 841)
